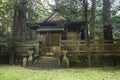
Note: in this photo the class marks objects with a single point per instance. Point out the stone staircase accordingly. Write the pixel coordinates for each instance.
(46, 62)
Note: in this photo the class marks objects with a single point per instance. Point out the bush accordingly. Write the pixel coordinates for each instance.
(74, 61)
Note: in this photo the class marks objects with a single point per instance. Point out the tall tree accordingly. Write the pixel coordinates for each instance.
(106, 20)
(85, 4)
(92, 20)
(19, 27)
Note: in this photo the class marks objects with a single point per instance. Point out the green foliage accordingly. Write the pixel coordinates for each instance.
(38, 11)
(116, 27)
(6, 15)
(115, 20)
(70, 9)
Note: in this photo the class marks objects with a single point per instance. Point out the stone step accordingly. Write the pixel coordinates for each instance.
(46, 62)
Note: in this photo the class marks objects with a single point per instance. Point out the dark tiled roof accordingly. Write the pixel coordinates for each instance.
(77, 24)
(33, 26)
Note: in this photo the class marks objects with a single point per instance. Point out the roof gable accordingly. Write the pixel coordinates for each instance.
(56, 17)
(53, 20)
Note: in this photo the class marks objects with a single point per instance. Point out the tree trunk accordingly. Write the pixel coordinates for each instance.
(92, 20)
(19, 27)
(106, 20)
(85, 2)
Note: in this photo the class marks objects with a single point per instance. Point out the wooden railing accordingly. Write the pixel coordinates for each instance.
(75, 46)
(97, 46)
